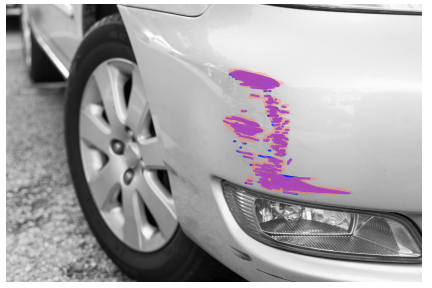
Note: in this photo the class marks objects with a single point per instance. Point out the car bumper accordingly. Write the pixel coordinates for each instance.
(205, 217)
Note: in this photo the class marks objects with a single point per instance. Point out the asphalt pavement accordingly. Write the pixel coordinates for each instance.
(47, 237)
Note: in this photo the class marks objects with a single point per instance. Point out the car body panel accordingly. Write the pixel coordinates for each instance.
(360, 74)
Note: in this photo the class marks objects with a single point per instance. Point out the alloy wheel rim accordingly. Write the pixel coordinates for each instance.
(121, 157)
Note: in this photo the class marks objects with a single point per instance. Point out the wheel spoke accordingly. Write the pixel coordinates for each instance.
(151, 153)
(133, 212)
(110, 82)
(138, 115)
(105, 182)
(158, 201)
(94, 131)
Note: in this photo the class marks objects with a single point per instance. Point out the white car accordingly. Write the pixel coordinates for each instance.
(284, 141)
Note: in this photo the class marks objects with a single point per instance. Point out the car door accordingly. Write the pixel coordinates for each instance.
(60, 26)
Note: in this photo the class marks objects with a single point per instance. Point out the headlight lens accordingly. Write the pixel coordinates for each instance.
(319, 231)
(366, 8)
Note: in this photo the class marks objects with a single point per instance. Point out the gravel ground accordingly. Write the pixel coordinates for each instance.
(47, 238)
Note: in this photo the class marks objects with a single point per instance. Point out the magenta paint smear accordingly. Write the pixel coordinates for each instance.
(243, 110)
(278, 136)
(255, 80)
(255, 96)
(270, 172)
(244, 128)
(271, 178)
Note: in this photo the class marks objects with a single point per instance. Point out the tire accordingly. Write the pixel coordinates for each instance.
(179, 259)
(40, 67)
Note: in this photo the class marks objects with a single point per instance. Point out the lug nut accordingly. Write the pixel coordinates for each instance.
(117, 147)
(131, 134)
(128, 176)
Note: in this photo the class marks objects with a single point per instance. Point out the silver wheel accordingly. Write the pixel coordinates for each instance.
(121, 157)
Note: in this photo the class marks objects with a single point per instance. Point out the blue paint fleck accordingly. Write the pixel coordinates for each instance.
(234, 141)
(288, 176)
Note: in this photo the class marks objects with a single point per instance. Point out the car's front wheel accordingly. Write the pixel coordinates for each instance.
(116, 165)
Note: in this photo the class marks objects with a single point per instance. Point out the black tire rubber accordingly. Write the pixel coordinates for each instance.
(180, 259)
(41, 68)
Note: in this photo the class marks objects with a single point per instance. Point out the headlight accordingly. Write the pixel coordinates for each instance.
(414, 9)
(321, 231)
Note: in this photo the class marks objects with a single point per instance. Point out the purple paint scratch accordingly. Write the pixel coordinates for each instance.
(270, 172)
(244, 128)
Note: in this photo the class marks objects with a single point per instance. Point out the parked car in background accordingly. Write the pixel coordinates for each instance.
(283, 141)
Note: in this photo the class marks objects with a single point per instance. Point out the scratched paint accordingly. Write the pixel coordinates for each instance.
(278, 136)
(270, 172)
(255, 96)
(249, 180)
(243, 127)
(255, 80)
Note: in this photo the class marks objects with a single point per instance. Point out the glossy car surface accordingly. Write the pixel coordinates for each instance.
(353, 85)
